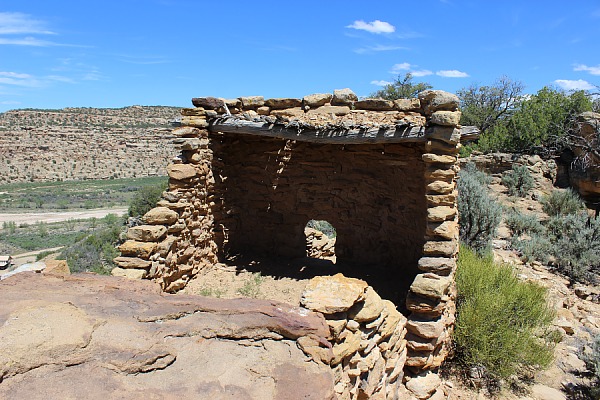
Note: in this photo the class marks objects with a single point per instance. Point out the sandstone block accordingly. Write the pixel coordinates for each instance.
(186, 131)
(440, 213)
(443, 134)
(424, 384)
(417, 343)
(317, 99)
(233, 103)
(336, 326)
(315, 348)
(198, 122)
(374, 105)
(424, 305)
(431, 285)
(438, 265)
(446, 118)
(181, 171)
(264, 110)
(163, 248)
(129, 273)
(160, 216)
(332, 294)
(434, 200)
(132, 263)
(431, 158)
(288, 112)
(393, 320)
(436, 100)
(193, 112)
(343, 97)
(280, 103)
(440, 187)
(57, 268)
(139, 249)
(146, 233)
(349, 345)
(190, 143)
(252, 102)
(335, 110)
(442, 174)
(437, 248)
(437, 147)
(429, 329)
(407, 104)
(211, 103)
(368, 309)
(446, 230)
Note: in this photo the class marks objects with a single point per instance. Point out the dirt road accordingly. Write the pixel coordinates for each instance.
(48, 217)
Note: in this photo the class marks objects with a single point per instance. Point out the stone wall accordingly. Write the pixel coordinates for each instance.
(252, 172)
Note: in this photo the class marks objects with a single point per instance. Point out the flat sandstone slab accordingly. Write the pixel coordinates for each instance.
(95, 337)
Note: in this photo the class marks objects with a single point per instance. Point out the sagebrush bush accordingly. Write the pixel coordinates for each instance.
(479, 214)
(501, 321)
(522, 223)
(562, 202)
(95, 252)
(518, 181)
(576, 245)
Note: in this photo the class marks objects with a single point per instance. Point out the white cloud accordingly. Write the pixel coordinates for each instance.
(381, 83)
(15, 75)
(452, 73)
(579, 84)
(28, 41)
(10, 102)
(379, 47)
(421, 72)
(400, 67)
(18, 23)
(376, 26)
(592, 70)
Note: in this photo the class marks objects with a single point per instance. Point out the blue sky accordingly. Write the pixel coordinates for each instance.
(90, 53)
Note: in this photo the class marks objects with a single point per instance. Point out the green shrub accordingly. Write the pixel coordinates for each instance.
(499, 318)
(575, 242)
(94, 252)
(518, 181)
(145, 199)
(520, 224)
(322, 226)
(562, 202)
(479, 214)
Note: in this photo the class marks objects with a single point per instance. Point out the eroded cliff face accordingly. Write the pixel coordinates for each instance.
(584, 170)
(85, 143)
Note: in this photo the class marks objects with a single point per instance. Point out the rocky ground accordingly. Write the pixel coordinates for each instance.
(108, 337)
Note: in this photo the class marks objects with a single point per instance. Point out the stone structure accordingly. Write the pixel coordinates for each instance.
(252, 173)
(584, 172)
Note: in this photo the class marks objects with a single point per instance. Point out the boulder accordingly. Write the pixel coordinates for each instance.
(436, 100)
(446, 118)
(142, 250)
(57, 268)
(146, 233)
(424, 384)
(102, 337)
(252, 102)
(317, 99)
(129, 273)
(431, 285)
(181, 171)
(332, 294)
(278, 104)
(211, 103)
(342, 97)
(160, 216)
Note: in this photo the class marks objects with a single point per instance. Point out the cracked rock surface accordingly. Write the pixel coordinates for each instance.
(94, 337)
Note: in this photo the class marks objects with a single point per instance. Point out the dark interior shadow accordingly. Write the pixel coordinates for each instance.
(388, 284)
